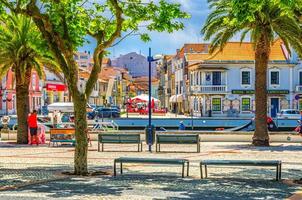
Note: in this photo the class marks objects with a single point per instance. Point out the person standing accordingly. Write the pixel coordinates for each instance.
(181, 126)
(33, 127)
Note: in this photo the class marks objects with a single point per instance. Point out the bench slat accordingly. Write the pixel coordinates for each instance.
(242, 162)
(177, 138)
(151, 160)
(119, 138)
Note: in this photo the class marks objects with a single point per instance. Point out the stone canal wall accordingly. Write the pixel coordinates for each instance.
(205, 136)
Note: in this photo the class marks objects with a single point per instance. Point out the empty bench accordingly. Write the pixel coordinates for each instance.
(163, 161)
(116, 138)
(177, 139)
(260, 163)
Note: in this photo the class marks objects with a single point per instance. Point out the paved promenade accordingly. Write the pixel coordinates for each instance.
(35, 173)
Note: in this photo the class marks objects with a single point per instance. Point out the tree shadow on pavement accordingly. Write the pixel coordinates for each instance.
(159, 185)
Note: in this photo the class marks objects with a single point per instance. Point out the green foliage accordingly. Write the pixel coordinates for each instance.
(73, 19)
(22, 47)
(274, 18)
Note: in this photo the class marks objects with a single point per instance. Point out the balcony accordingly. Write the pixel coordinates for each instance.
(94, 93)
(299, 88)
(209, 89)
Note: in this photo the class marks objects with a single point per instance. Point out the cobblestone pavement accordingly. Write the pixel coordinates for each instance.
(22, 165)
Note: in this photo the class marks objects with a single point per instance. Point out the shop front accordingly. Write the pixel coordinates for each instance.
(54, 92)
(277, 100)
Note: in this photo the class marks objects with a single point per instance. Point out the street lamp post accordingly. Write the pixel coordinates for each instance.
(150, 59)
(150, 138)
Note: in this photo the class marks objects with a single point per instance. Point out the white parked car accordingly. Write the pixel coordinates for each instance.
(289, 114)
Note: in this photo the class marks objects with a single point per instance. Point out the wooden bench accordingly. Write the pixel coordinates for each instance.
(115, 138)
(260, 163)
(60, 135)
(177, 139)
(164, 161)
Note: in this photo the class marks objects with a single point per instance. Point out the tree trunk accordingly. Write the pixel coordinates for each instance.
(22, 97)
(81, 149)
(261, 137)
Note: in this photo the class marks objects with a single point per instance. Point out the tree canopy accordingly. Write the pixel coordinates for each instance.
(231, 17)
(22, 47)
(64, 25)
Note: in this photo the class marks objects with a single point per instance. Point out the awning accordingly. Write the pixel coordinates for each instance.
(143, 98)
(173, 99)
(180, 98)
(55, 87)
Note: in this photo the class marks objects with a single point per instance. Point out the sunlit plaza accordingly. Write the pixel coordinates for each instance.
(151, 99)
(35, 173)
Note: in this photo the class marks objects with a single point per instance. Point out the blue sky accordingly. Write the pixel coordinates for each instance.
(164, 43)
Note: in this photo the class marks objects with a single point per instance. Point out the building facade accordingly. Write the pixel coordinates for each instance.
(224, 84)
(136, 64)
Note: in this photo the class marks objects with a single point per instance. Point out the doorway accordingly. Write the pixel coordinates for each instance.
(274, 107)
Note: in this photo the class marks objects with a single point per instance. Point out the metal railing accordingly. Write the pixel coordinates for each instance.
(209, 88)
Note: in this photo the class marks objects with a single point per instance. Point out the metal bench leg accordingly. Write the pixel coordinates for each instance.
(280, 171)
(102, 146)
(114, 169)
(201, 174)
(121, 165)
(187, 168)
(198, 147)
(138, 147)
(141, 146)
(183, 170)
(277, 173)
(159, 147)
(98, 146)
(206, 171)
(156, 147)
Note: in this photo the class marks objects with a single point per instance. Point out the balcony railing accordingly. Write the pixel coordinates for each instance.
(299, 88)
(209, 89)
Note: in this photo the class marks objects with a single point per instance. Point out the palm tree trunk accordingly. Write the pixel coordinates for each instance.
(22, 91)
(81, 149)
(261, 137)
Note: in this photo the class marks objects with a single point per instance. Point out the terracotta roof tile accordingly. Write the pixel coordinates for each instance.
(239, 52)
(192, 48)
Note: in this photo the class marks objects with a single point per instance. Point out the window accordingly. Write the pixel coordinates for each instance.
(300, 78)
(84, 57)
(216, 78)
(245, 77)
(216, 104)
(245, 104)
(300, 104)
(274, 78)
(200, 80)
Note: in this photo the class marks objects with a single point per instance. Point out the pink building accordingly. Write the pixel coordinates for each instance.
(8, 93)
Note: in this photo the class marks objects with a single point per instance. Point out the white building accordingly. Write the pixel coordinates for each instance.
(223, 84)
(136, 64)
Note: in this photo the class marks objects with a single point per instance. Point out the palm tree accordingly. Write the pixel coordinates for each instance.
(264, 21)
(22, 50)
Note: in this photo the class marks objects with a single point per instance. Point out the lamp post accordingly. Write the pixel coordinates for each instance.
(150, 138)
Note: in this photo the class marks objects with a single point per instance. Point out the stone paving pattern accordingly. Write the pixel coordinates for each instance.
(31, 164)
